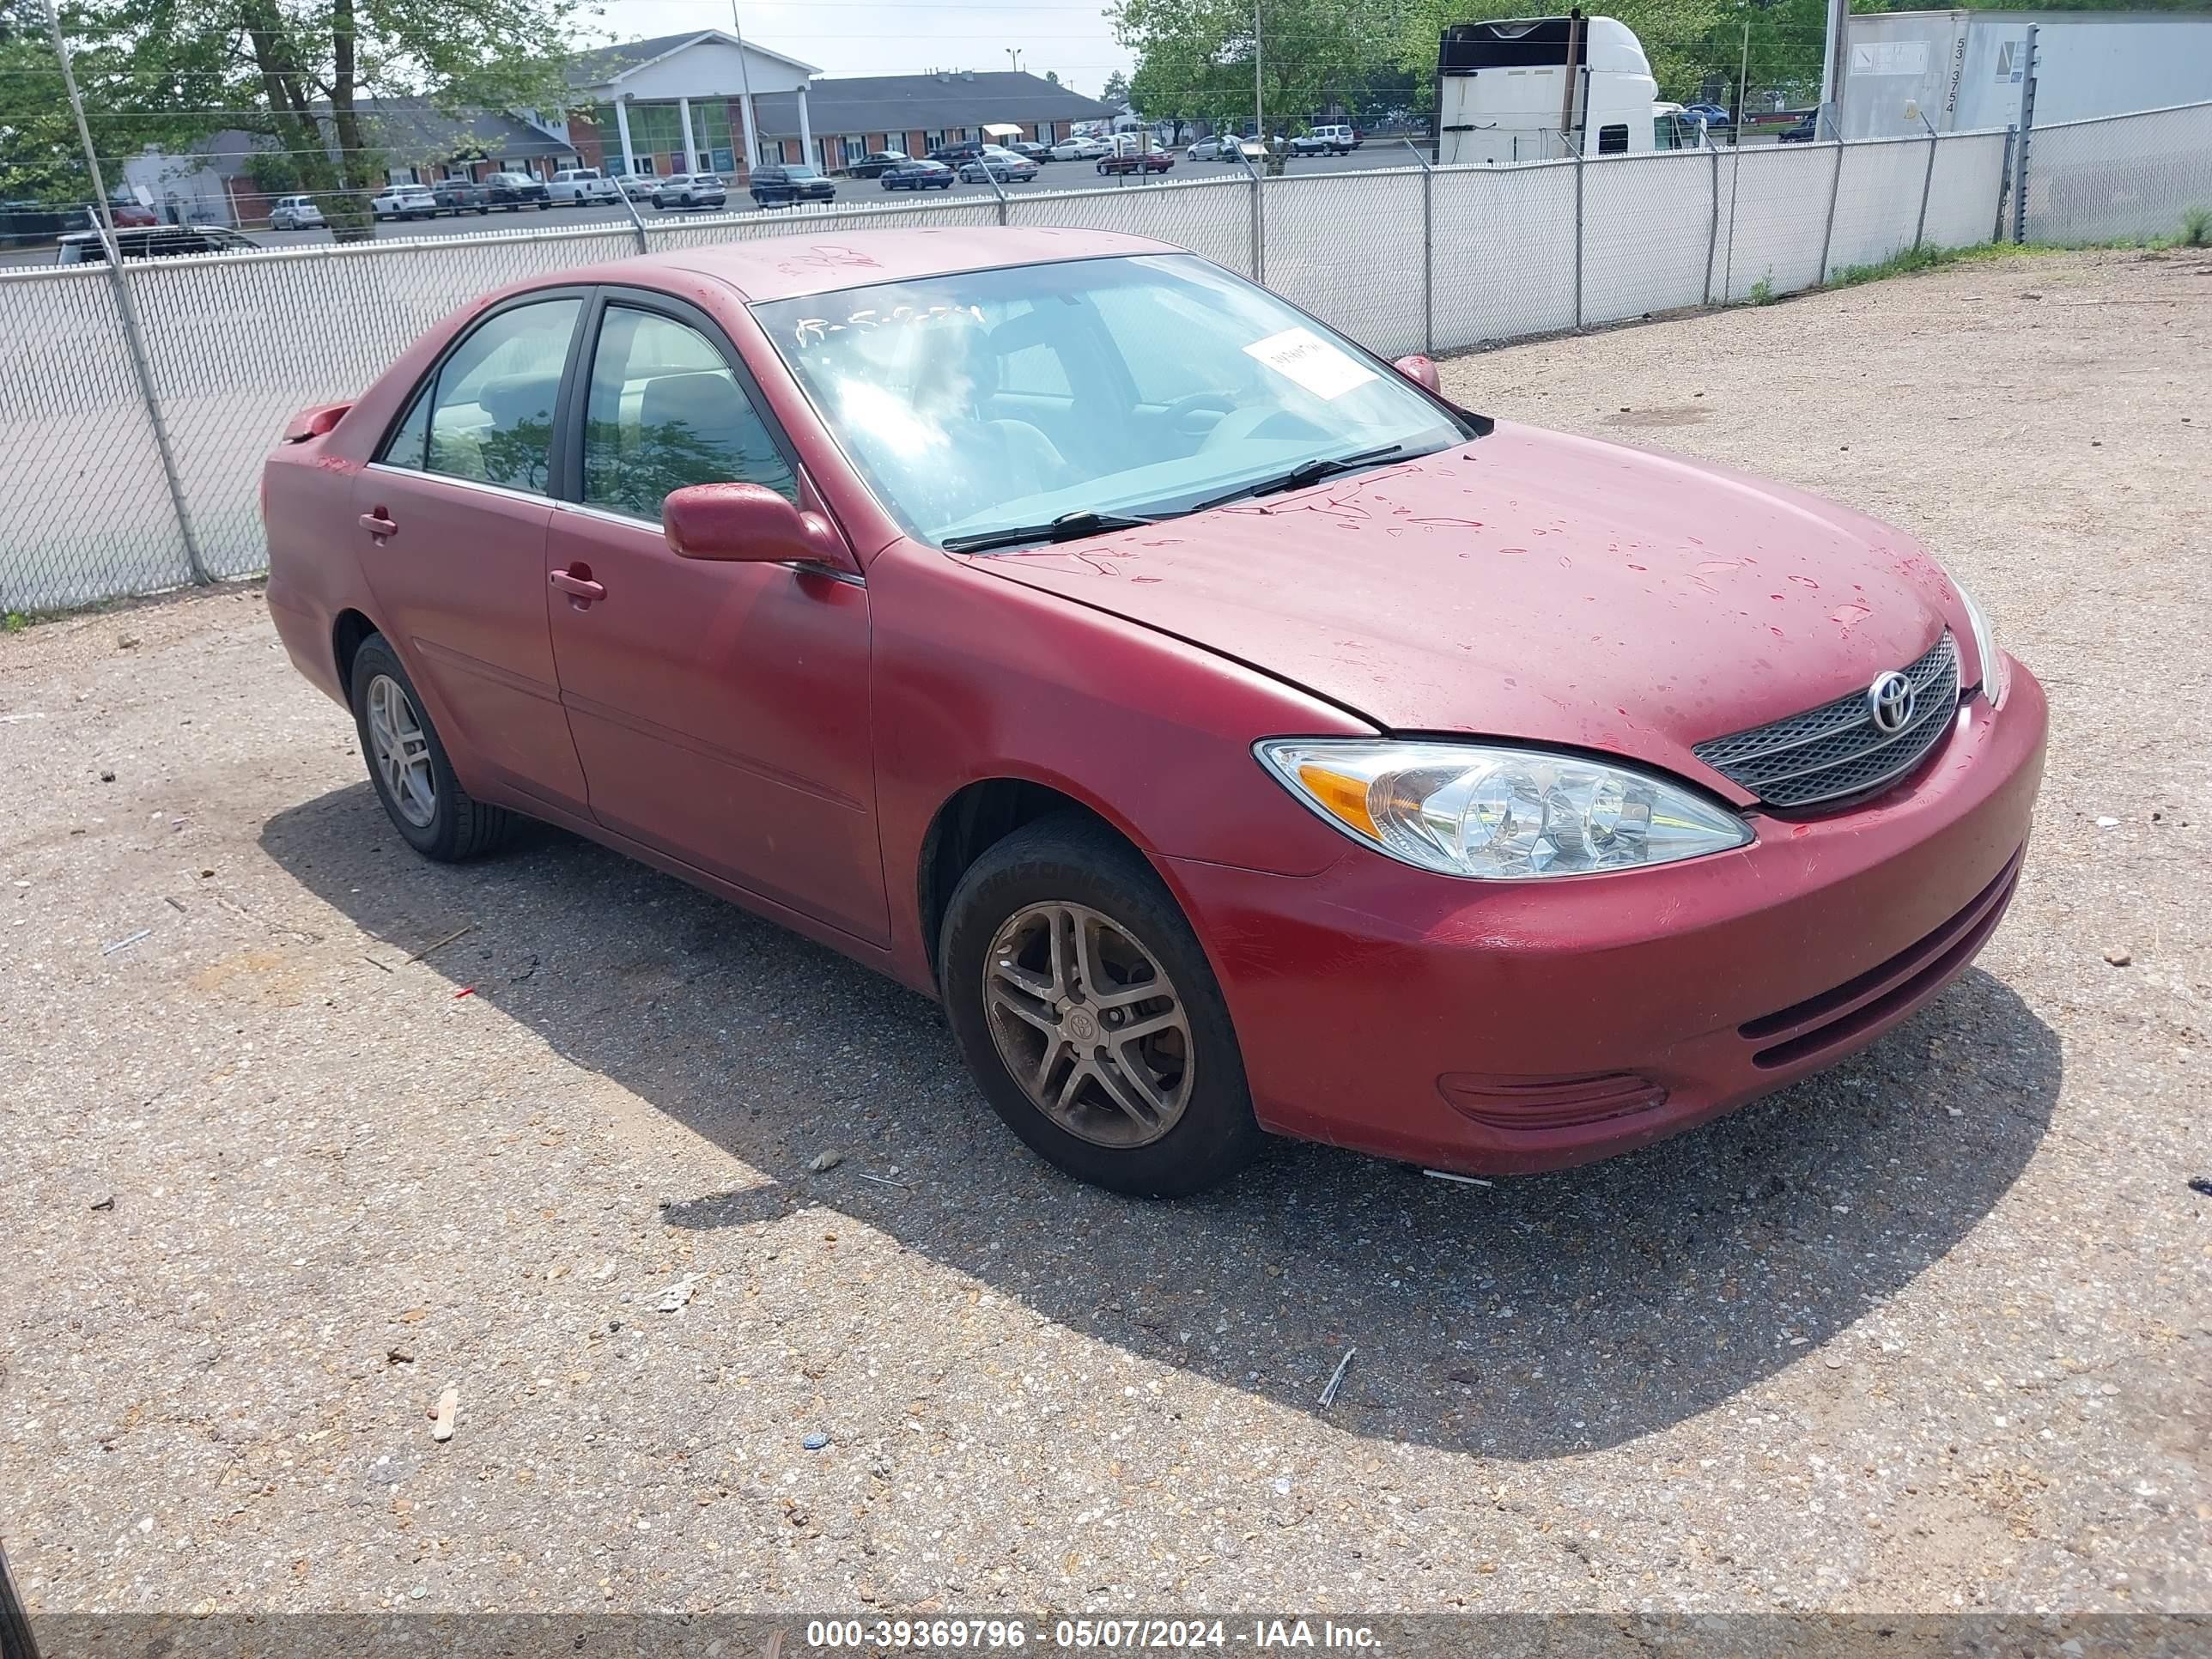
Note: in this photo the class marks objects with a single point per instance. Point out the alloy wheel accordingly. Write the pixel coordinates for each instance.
(399, 749)
(1086, 1021)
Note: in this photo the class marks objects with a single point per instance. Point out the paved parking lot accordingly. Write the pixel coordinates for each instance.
(1053, 176)
(300, 1132)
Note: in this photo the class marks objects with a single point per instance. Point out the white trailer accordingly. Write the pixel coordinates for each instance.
(1538, 88)
(1962, 71)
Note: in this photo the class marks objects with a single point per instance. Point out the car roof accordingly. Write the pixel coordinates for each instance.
(786, 267)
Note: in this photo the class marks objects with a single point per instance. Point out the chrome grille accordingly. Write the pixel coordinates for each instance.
(1833, 753)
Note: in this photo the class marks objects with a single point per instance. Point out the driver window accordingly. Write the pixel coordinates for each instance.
(664, 411)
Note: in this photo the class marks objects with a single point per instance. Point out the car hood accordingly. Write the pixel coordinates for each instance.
(1533, 585)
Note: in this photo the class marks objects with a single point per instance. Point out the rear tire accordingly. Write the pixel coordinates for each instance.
(1165, 1116)
(451, 825)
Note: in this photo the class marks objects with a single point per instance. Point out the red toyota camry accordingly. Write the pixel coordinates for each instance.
(1233, 734)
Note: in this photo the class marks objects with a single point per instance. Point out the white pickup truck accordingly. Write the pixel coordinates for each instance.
(581, 187)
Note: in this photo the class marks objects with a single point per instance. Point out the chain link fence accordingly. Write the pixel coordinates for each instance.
(132, 456)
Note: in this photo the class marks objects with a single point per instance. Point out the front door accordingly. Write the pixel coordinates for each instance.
(452, 514)
(721, 710)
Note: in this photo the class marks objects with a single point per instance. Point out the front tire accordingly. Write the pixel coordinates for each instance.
(408, 767)
(1088, 1015)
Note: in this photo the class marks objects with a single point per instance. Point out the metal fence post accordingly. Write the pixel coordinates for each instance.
(1259, 225)
(1578, 236)
(127, 306)
(2005, 186)
(1828, 231)
(1927, 183)
(644, 241)
(1428, 251)
(1713, 234)
(991, 173)
(2026, 129)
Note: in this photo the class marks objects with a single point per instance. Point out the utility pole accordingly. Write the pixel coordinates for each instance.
(745, 81)
(1015, 52)
(1742, 87)
(1259, 113)
(1832, 68)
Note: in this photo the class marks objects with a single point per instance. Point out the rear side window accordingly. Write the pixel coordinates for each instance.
(664, 411)
(491, 412)
(1613, 141)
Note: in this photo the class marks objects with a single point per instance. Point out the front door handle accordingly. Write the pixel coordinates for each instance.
(577, 582)
(378, 524)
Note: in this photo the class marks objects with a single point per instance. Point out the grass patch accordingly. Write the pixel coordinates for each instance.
(1762, 291)
(2196, 227)
(16, 621)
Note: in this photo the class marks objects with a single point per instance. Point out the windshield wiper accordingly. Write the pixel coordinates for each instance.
(1302, 476)
(1068, 527)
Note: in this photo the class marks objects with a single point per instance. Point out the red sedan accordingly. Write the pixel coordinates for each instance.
(1233, 733)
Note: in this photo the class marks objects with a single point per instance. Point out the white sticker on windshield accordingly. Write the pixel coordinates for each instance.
(1301, 355)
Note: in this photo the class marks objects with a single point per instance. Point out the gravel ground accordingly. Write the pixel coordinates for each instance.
(1931, 1332)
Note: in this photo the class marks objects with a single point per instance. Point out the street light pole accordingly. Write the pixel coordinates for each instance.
(1259, 116)
(745, 79)
(1015, 52)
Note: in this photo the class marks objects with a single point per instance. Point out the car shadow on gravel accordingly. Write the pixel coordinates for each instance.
(1536, 1317)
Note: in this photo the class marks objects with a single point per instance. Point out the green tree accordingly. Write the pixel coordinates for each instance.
(1116, 89)
(293, 73)
(1194, 57)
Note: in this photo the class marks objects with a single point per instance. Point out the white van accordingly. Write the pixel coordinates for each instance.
(581, 186)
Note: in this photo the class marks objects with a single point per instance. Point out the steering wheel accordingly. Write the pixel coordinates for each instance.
(1176, 412)
(1239, 424)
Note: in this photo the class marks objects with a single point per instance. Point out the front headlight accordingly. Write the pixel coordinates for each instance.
(1997, 677)
(1467, 809)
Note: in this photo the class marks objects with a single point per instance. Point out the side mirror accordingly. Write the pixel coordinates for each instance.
(1421, 371)
(747, 523)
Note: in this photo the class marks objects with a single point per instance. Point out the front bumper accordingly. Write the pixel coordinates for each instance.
(1493, 1028)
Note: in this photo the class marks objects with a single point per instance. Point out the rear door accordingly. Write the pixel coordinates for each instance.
(451, 520)
(721, 710)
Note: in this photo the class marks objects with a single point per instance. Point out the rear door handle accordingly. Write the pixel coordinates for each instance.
(580, 588)
(378, 525)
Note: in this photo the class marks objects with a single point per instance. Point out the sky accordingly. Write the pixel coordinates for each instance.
(890, 37)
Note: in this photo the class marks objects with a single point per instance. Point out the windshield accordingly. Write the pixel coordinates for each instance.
(800, 173)
(1137, 386)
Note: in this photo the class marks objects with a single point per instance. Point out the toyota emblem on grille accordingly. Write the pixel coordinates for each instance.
(1889, 703)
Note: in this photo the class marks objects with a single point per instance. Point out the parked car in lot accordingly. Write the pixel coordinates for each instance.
(1029, 150)
(1715, 116)
(917, 175)
(1081, 149)
(1356, 823)
(692, 190)
(876, 163)
(516, 192)
(1804, 131)
(459, 196)
(1325, 141)
(582, 187)
(1225, 147)
(126, 210)
(781, 186)
(1133, 161)
(404, 201)
(954, 154)
(637, 186)
(998, 163)
(87, 248)
(295, 213)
